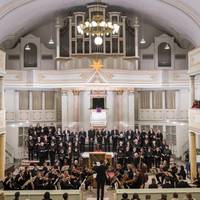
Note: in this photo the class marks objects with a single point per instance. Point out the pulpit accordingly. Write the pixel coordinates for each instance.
(95, 157)
(89, 158)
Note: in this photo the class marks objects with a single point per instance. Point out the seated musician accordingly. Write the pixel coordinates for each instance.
(129, 177)
(87, 177)
(118, 176)
(65, 183)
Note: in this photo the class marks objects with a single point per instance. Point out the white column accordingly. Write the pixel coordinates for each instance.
(70, 36)
(164, 131)
(57, 26)
(192, 90)
(76, 94)
(125, 110)
(43, 100)
(151, 99)
(64, 104)
(16, 105)
(119, 106)
(30, 101)
(111, 110)
(178, 99)
(2, 106)
(124, 35)
(163, 99)
(136, 27)
(131, 109)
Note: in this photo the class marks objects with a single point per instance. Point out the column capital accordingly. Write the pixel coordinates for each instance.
(192, 78)
(64, 92)
(131, 91)
(57, 22)
(119, 92)
(136, 22)
(76, 92)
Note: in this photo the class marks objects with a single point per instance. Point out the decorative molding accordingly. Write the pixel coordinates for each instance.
(162, 114)
(115, 78)
(31, 116)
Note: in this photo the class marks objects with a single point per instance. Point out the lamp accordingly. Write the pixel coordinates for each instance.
(142, 41)
(167, 47)
(98, 26)
(98, 40)
(51, 42)
(27, 48)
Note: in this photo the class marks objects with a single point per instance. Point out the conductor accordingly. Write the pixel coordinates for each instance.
(100, 169)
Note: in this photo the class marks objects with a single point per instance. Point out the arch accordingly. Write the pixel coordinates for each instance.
(30, 56)
(180, 11)
(164, 55)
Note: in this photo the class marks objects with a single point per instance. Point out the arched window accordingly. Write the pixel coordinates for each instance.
(164, 55)
(30, 55)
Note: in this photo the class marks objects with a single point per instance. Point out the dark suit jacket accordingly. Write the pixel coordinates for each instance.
(101, 173)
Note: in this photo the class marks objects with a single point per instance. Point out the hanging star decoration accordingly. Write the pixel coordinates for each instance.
(96, 65)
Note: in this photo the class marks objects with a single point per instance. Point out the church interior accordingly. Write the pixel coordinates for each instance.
(99, 99)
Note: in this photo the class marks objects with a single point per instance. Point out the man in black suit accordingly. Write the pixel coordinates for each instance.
(82, 137)
(91, 137)
(101, 179)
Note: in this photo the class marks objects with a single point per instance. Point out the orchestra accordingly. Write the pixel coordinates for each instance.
(60, 165)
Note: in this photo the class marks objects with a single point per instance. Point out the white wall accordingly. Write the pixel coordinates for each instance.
(12, 138)
(181, 138)
(10, 101)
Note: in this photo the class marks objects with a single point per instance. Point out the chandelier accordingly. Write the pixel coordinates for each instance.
(98, 27)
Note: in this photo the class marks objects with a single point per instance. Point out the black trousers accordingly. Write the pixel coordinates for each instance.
(100, 189)
(52, 156)
(31, 154)
(91, 145)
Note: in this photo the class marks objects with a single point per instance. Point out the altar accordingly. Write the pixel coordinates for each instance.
(98, 118)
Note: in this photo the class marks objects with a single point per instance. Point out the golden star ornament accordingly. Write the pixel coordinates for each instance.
(96, 64)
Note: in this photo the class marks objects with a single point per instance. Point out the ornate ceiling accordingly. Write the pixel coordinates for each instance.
(180, 18)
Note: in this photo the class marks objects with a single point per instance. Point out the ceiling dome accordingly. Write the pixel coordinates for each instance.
(180, 18)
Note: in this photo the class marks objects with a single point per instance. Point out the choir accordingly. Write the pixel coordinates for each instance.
(136, 154)
(66, 146)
